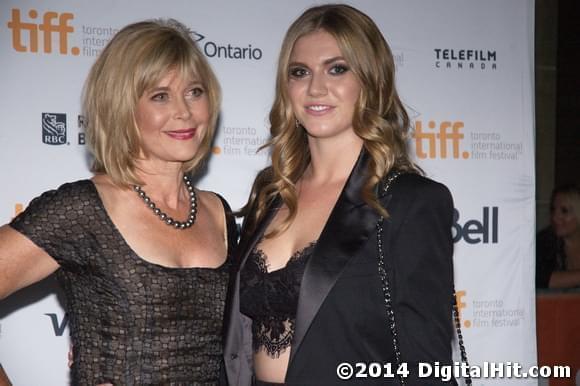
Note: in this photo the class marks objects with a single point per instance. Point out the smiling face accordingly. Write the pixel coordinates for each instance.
(563, 218)
(172, 118)
(323, 90)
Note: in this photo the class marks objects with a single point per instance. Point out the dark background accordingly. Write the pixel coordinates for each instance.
(557, 89)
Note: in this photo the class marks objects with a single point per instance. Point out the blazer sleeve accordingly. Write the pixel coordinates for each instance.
(422, 254)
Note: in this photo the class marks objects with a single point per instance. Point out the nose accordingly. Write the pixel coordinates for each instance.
(557, 212)
(317, 85)
(556, 218)
(183, 109)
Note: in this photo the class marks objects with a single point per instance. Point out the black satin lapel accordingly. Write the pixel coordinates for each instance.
(349, 226)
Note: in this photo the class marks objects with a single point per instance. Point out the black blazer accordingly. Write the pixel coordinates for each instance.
(341, 313)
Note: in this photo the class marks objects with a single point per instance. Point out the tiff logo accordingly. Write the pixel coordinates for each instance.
(435, 144)
(461, 305)
(29, 43)
(18, 208)
(54, 128)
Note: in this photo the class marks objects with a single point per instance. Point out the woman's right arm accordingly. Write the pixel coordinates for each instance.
(22, 263)
(564, 279)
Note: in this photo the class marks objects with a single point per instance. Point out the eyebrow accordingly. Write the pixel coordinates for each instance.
(326, 62)
(166, 88)
(157, 88)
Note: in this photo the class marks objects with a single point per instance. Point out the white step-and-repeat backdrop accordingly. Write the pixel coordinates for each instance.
(465, 72)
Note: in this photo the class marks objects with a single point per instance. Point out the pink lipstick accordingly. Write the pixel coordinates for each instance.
(182, 135)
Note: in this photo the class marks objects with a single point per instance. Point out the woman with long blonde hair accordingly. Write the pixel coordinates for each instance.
(346, 249)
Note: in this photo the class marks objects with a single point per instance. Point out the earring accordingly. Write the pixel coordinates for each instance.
(298, 124)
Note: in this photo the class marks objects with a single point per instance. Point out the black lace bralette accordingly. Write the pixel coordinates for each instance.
(270, 299)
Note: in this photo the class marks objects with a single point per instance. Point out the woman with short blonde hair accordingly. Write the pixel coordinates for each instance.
(142, 255)
(133, 63)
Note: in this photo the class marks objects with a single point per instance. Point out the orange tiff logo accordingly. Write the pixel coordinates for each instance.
(51, 22)
(18, 208)
(461, 305)
(434, 143)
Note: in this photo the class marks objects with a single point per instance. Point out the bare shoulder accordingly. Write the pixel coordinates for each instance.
(102, 180)
(211, 202)
(109, 193)
(104, 184)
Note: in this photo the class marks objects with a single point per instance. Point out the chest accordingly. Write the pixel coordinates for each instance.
(202, 245)
(311, 217)
(114, 281)
(572, 257)
(108, 269)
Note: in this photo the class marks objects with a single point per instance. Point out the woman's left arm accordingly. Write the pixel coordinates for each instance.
(423, 278)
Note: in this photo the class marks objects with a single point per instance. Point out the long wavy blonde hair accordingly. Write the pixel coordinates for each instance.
(379, 118)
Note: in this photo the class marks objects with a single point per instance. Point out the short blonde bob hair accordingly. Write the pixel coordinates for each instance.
(133, 61)
(380, 119)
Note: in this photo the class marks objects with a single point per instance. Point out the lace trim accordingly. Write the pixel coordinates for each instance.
(295, 257)
(277, 345)
(275, 334)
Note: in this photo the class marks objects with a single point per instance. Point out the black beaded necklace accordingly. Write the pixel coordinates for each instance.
(163, 216)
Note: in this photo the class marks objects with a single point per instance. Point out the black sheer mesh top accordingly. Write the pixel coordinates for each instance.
(270, 299)
(131, 322)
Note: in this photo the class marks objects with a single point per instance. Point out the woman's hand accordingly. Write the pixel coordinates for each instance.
(70, 356)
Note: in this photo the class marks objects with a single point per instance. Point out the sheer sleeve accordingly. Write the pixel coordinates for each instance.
(56, 221)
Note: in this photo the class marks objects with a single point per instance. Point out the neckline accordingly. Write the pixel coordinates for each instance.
(101, 207)
(262, 256)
